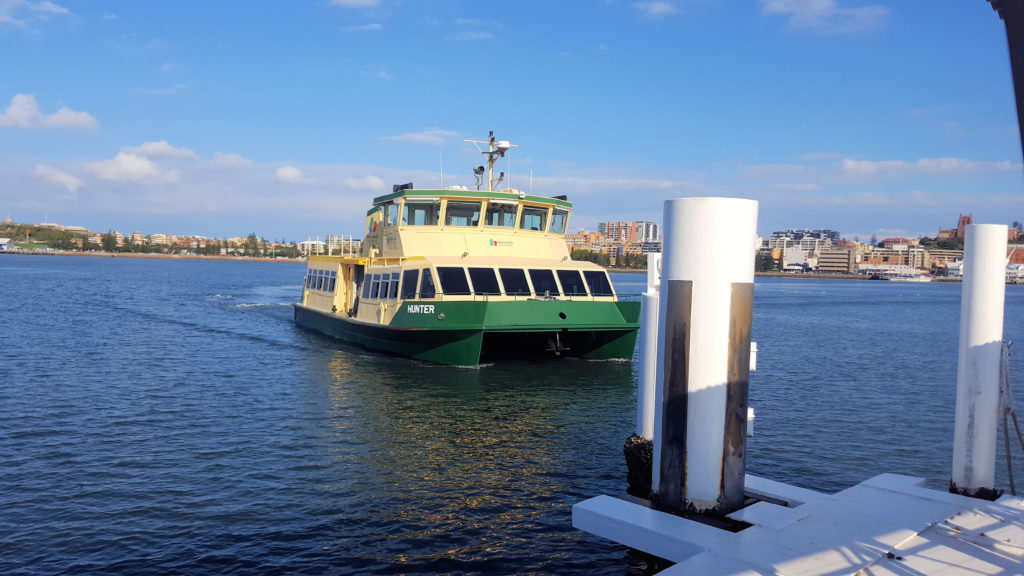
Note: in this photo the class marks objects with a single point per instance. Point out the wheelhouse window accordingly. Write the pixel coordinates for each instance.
(409, 279)
(484, 281)
(544, 283)
(559, 218)
(572, 283)
(390, 214)
(421, 212)
(453, 280)
(501, 214)
(533, 218)
(367, 283)
(319, 280)
(514, 280)
(427, 289)
(598, 282)
(458, 213)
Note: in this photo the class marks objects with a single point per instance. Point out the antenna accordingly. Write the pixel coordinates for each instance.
(495, 149)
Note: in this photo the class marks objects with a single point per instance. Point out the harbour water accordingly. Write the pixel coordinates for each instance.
(167, 417)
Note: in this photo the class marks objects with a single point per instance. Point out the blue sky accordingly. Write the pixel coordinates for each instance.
(285, 118)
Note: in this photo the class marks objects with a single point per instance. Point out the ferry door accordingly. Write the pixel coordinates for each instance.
(358, 277)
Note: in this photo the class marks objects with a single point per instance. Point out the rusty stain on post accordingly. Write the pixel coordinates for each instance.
(674, 401)
(737, 388)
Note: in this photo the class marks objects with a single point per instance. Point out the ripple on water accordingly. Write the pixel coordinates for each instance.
(174, 421)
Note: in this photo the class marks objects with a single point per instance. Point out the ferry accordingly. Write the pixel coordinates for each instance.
(463, 276)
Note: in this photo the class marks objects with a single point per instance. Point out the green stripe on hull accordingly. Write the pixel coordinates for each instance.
(518, 316)
(464, 332)
(454, 347)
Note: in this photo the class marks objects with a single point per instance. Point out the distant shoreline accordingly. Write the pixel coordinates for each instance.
(796, 276)
(295, 260)
(148, 255)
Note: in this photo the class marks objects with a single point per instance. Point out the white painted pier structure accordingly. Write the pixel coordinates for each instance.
(887, 525)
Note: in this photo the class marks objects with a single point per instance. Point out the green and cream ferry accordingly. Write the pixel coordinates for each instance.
(459, 276)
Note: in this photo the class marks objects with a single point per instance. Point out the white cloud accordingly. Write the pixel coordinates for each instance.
(11, 10)
(923, 166)
(470, 36)
(819, 157)
(159, 149)
(435, 137)
(826, 16)
(365, 28)
(48, 7)
(778, 171)
(366, 183)
(230, 160)
(57, 176)
(354, 3)
(656, 9)
(129, 167)
(23, 112)
(847, 169)
(383, 75)
(291, 175)
(169, 91)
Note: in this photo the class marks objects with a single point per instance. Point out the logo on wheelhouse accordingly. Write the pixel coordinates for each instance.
(420, 308)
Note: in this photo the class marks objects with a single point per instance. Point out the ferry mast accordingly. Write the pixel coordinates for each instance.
(495, 149)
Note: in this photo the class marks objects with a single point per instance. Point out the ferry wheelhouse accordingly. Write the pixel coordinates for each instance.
(459, 276)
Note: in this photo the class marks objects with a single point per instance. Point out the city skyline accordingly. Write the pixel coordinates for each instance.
(652, 232)
(866, 117)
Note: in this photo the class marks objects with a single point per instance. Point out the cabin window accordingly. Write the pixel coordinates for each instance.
(375, 289)
(514, 280)
(533, 218)
(453, 280)
(598, 282)
(391, 214)
(409, 278)
(309, 274)
(427, 289)
(484, 281)
(333, 277)
(462, 213)
(572, 283)
(501, 214)
(416, 212)
(319, 280)
(393, 287)
(559, 218)
(367, 282)
(544, 283)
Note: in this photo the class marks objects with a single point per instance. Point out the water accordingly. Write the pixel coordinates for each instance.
(167, 417)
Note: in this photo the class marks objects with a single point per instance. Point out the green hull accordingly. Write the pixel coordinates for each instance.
(464, 333)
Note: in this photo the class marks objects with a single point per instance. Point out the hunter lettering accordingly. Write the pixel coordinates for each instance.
(420, 309)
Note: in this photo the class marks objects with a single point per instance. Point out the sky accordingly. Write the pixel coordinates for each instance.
(220, 119)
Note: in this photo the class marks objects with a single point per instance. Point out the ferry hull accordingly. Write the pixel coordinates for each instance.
(472, 332)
